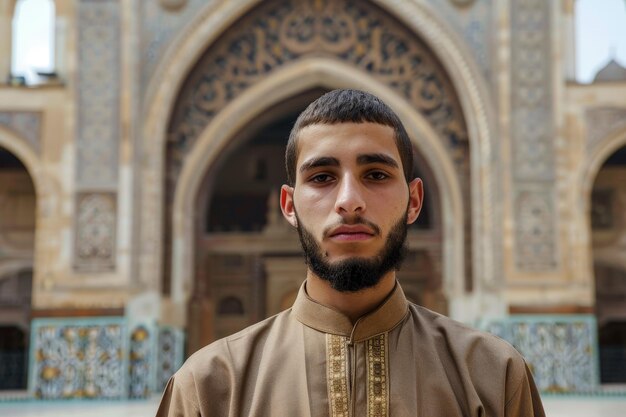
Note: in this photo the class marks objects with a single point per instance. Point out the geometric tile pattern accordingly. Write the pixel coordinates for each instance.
(532, 134)
(101, 357)
(561, 351)
(98, 90)
(141, 362)
(78, 358)
(170, 355)
(27, 124)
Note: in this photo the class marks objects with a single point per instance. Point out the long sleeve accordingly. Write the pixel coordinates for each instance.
(524, 400)
(175, 401)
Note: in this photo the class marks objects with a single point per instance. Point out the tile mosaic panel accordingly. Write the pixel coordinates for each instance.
(170, 355)
(78, 358)
(532, 132)
(141, 362)
(561, 351)
(98, 89)
(27, 124)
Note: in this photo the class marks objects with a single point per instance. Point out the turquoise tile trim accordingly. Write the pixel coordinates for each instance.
(171, 352)
(142, 359)
(561, 350)
(79, 358)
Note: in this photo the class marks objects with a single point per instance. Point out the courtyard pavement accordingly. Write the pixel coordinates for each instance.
(555, 407)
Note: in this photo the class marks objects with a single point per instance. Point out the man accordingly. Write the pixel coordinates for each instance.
(352, 345)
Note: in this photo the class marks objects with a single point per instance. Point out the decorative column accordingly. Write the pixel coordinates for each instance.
(532, 134)
(98, 132)
(7, 9)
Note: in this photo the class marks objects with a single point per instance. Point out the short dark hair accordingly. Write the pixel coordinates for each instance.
(349, 106)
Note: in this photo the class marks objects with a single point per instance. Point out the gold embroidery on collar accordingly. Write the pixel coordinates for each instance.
(377, 388)
(337, 375)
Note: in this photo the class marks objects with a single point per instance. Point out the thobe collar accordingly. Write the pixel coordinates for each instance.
(328, 320)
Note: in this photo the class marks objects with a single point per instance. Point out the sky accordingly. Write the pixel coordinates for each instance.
(600, 36)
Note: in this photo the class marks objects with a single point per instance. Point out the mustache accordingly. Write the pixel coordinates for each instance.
(352, 222)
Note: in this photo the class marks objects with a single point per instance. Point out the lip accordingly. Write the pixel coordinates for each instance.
(351, 233)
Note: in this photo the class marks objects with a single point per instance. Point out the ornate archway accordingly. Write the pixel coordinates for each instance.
(392, 56)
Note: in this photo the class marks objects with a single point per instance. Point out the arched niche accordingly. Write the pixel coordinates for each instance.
(17, 241)
(417, 19)
(608, 245)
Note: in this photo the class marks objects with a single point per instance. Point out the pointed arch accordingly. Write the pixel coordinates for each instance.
(284, 83)
(475, 102)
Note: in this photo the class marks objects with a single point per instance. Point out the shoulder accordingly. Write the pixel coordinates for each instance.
(479, 350)
(223, 356)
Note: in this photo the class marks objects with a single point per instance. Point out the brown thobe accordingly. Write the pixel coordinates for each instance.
(399, 360)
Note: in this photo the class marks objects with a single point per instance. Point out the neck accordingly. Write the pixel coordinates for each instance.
(352, 304)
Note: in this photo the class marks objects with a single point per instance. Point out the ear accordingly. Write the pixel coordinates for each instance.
(416, 198)
(286, 205)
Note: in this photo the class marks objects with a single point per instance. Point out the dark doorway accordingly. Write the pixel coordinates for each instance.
(608, 225)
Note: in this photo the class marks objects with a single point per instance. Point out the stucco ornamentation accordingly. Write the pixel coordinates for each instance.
(95, 232)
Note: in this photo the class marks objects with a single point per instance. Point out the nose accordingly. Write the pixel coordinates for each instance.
(349, 197)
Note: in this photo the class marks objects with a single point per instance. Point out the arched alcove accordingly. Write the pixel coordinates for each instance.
(608, 233)
(17, 239)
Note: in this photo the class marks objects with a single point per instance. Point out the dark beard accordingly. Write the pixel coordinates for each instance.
(355, 274)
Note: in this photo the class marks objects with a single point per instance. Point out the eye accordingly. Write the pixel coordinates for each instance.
(377, 175)
(321, 178)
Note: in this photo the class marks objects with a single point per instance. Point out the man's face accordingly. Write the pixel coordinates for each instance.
(351, 203)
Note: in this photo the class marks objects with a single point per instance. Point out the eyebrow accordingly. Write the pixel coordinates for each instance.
(376, 158)
(363, 159)
(323, 161)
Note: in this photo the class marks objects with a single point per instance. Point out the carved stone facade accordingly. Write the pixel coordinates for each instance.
(151, 90)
